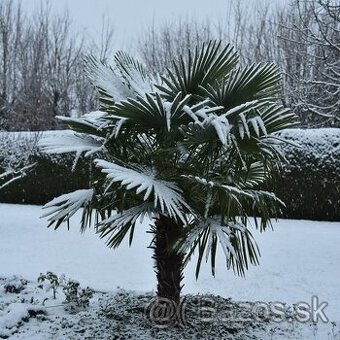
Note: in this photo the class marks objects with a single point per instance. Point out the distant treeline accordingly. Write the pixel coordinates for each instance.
(41, 68)
(41, 58)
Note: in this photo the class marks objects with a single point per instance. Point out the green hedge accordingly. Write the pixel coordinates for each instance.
(309, 185)
(51, 177)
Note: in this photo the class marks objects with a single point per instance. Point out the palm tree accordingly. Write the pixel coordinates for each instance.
(189, 149)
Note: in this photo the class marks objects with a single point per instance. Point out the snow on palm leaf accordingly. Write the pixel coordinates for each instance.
(186, 147)
(167, 196)
(62, 208)
(109, 83)
(71, 142)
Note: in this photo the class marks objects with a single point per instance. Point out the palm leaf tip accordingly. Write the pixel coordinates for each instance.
(119, 224)
(62, 208)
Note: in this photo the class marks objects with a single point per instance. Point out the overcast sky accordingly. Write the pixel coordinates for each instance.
(130, 17)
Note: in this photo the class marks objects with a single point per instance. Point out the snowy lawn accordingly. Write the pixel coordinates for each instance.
(300, 259)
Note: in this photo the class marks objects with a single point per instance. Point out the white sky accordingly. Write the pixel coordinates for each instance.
(130, 17)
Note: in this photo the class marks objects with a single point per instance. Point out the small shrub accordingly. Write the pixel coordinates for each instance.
(15, 284)
(75, 297)
(53, 280)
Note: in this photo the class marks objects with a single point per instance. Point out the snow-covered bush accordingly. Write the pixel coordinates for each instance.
(50, 175)
(310, 184)
(16, 156)
(15, 284)
(76, 297)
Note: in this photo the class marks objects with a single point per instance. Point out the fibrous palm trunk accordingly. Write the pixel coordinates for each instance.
(168, 262)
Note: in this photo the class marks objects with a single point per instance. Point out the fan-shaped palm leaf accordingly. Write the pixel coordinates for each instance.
(209, 64)
(236, 241)
(110, 85)
(167, 196)
(62, 208)
(71, 142)
(255, 82)
(119, 224)
(134, 73)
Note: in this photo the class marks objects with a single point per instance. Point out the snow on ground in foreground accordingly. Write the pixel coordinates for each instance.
(299, 259)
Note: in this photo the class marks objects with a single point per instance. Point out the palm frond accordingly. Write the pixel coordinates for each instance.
(91, 123)
(71, 142)
(265, 205)
(276, 117)
(231, 189)
(246, 252)
(134, 73)
(211, 127)
(110, 85)
(255, 82)
(207, 65)
(116, 227)
(148, 112)
(235, 239)
(253, 176)
(167, 196)
(153, 112)
(62, 208)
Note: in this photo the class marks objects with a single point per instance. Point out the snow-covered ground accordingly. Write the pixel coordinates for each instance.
(300, 259)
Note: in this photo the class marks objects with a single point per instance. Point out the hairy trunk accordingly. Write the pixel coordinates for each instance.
(168, 263)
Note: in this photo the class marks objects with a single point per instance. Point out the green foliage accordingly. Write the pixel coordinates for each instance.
(310, 184)
(52, 279)
(75, 297)
(193, 144)
(50, 177)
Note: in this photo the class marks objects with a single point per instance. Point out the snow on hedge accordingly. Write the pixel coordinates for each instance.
(320, 144)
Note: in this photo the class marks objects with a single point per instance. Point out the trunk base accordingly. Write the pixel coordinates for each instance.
(168, 263)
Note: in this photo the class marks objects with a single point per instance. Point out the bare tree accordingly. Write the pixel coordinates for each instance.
(314, 37)
(42, 71)
(159, 45)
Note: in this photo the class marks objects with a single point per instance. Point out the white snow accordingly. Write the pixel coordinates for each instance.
(300, 259)
(323, 144)
(71, 142)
